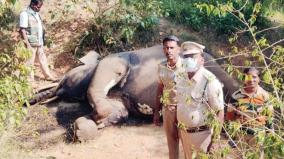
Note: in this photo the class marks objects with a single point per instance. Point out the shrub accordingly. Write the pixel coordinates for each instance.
(123, 25)
(14, 88)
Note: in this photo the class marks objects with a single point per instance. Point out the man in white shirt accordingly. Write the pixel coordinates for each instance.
(31, 30)
(198, 94)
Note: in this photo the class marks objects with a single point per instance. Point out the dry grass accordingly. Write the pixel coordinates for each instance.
(277, 18)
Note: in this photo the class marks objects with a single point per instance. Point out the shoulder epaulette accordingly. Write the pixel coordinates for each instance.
(209, 76)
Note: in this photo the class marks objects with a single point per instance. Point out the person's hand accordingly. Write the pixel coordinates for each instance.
(37, 45)
(156, 119)
(28, 45)
(230, 107)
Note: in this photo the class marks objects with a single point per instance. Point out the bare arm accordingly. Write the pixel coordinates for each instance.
(231, 112)
(158, 106)
(23, 33)
(216, 99)
(216, 103)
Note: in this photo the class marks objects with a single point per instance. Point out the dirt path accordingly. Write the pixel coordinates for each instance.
(125, 142)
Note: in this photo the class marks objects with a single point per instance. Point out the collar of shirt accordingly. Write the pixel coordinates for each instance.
(29, 9)
(198, 75)
(258, 91)
(179, 63)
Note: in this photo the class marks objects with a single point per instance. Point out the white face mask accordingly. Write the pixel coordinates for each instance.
(190, 64)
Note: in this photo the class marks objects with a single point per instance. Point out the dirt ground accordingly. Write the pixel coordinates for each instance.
(135, 139)
(131, 142)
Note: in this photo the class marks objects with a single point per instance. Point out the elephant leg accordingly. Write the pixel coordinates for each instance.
(101, 105)
(85, 128)
(117, 114)
(109, 73)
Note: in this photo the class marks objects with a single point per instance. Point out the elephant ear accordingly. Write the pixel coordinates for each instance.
(91, 58)
(134, 59)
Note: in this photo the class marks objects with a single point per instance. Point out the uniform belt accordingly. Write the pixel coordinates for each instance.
(197, 129)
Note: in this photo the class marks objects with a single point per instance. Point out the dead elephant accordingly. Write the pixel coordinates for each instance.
(132, 77)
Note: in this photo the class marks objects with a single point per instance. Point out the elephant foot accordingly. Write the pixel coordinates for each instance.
(85, 128)
(111, 113)
(118, 114)
(113, 119)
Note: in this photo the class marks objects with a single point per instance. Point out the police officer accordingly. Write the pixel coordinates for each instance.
(31, 30)
(198, 94)
(166, 93)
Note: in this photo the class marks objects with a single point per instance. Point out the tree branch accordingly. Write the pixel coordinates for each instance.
(279, 41)
(267, 29)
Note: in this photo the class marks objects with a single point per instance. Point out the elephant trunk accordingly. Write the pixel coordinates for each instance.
(43, 96)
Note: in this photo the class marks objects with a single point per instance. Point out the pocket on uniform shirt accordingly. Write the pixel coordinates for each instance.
(196, 99)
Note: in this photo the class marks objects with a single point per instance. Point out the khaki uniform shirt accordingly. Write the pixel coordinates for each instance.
(197, 96)
(168, 77)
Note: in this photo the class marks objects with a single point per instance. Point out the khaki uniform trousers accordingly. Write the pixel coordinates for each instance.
(38, 52)
(170, 126)
(192, 142)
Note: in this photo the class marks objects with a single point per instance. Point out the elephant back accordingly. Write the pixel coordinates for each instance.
(230, 84)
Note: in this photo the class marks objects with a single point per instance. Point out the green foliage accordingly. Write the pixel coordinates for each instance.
(14, 88)
(269, 58)
(273, 5)
(121, 27)
(213, 122)
(8, 2)
(184, 12)
(203, 14)
(6, 16)
(165, 98)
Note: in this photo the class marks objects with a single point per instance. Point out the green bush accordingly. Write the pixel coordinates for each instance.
(6, 16)
(201, 14)
(14, 88)
(184, 12)
(123, 26)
